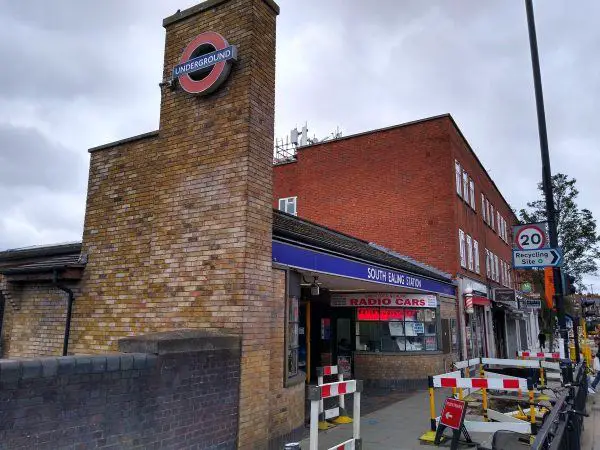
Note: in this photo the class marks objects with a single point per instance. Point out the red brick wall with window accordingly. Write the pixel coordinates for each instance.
(390, 187)
(395, 187)
(470, 221)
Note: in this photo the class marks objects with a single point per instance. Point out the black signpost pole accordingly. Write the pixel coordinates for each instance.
(546, 173)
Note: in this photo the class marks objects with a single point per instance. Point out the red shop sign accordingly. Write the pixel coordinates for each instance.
(384, 314)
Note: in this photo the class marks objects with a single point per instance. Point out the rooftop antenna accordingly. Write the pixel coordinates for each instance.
(294, 136)
(304, 136)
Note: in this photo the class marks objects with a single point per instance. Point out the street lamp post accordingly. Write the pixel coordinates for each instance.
(546, 172)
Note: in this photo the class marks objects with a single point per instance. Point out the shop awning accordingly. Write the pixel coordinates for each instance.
(481, 301)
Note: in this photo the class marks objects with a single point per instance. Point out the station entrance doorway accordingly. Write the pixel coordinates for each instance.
(332, 332)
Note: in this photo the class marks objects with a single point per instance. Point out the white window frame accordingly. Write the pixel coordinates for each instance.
(498, 223)
(465, 180)
(496, 268)
(461, 243)
(492, 216)
(488, 266)
(285, 202)
(487, 211)
(476, 255)
(458, 177)
(472, 193)
(483, 214)
(502, 273)
(469, 253)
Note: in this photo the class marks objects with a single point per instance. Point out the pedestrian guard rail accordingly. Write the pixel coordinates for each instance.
(563, 427)
(316, 394)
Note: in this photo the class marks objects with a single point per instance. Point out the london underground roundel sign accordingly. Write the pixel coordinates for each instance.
(205, 63)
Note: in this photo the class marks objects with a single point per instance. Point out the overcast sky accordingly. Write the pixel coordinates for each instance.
(80, 73)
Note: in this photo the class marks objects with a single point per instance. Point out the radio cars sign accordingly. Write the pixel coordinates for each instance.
(384, 299)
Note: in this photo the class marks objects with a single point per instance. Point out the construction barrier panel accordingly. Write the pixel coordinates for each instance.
(336, 414)
(527, 354)
(328, 390)
(502, 383)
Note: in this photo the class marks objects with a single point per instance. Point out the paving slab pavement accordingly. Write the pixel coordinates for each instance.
(590, 439)
(395, 427)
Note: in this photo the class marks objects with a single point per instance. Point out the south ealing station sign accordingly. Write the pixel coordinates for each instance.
(532, 248)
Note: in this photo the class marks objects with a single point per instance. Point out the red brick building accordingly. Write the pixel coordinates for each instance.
(418, 189)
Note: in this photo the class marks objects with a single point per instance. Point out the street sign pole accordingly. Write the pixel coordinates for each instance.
(546, 172)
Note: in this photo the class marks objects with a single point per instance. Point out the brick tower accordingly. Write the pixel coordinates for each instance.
(178, 221)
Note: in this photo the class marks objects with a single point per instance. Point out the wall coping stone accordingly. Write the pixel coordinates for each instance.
(12, 370)
(403, 354)
(150, 134)
(208, 4)
(179, 341)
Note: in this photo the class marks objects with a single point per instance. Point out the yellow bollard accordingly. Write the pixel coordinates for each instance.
(431, 405)
(542, 379)
(484, 404)
(531, 407)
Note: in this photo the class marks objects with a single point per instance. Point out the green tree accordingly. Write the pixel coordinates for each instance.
(577, 236)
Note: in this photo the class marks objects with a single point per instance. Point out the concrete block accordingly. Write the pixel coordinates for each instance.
(49, 367)
(126, 362)
(113, 363)
(98, 364)
(10, 371)
(66, 365)
(31, 369)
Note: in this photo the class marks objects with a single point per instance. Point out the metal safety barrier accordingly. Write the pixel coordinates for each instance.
(563, 426)
(318, 393)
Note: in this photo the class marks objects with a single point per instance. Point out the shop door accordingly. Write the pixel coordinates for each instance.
(499, 332)
(511, 337)
(523, 331)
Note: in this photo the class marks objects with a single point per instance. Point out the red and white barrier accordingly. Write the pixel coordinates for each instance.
(504, 384)
(337, 411)
(317, 393)
(350, 444)
(553, 355)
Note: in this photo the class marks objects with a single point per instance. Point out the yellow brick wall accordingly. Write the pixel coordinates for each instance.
(37, 327)
(178, 226)
(286, 403)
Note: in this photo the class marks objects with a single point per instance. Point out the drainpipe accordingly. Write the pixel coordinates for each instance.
(69, 311)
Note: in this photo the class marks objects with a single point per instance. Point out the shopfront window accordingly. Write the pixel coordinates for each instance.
(292, 337)
(397, 329)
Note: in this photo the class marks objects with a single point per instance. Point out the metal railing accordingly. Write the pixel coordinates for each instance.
(563, 426)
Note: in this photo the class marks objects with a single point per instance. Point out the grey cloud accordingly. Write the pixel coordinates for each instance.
(356, 64)
(27, 158)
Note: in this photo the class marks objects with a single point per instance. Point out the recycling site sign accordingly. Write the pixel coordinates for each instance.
(533, 259)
